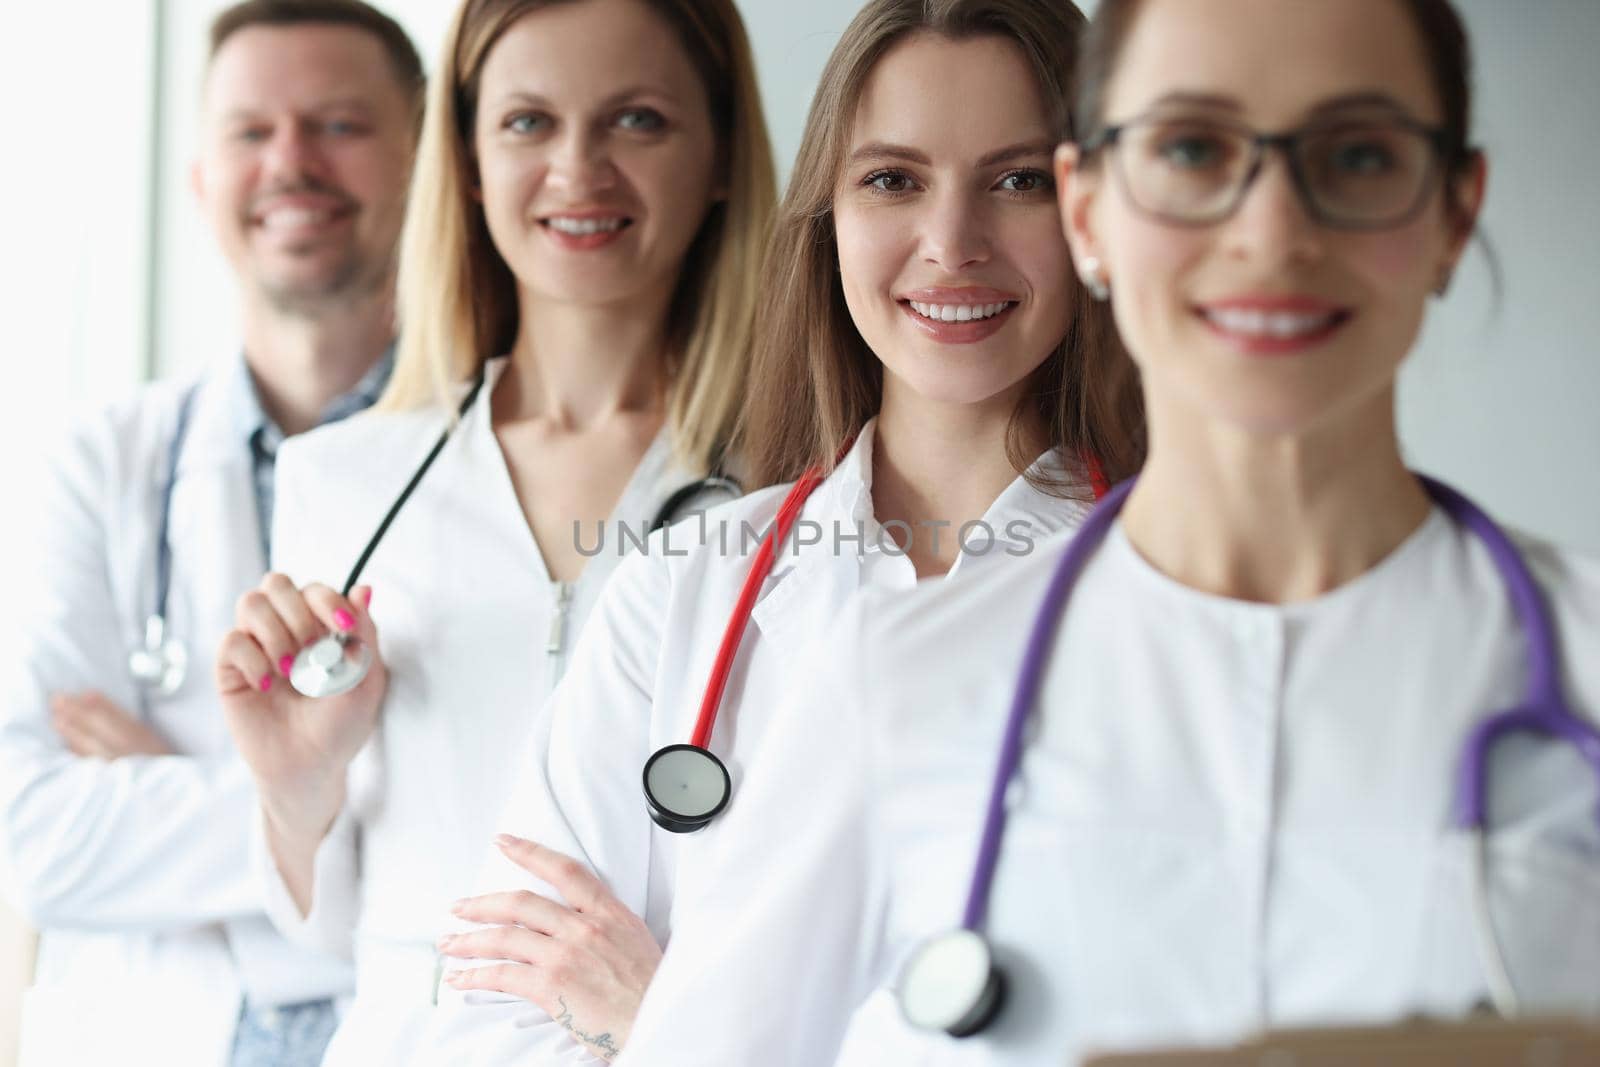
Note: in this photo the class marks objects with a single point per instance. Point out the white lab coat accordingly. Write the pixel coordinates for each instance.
(465, 612)
(636, 685)
(137, 869)
(1229, 816)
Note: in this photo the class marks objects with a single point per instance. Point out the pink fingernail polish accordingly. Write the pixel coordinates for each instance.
(343, 620)
(285, 665)
(266, 682)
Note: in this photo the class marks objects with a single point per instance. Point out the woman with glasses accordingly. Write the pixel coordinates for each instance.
(1236, 756)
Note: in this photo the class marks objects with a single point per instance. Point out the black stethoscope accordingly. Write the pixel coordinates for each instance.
(952, 983)
(161, 663)
(337, 663)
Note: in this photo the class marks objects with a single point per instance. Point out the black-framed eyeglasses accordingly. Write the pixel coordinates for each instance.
(1351, 173)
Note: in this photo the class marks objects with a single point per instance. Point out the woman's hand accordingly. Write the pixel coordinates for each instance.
(298, 747)
(587, 965)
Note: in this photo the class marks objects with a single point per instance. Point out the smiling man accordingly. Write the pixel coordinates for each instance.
(123, 808)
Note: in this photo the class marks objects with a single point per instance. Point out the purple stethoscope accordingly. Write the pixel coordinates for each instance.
(952, 982)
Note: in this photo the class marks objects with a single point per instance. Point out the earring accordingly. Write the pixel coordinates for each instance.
(1094, 279)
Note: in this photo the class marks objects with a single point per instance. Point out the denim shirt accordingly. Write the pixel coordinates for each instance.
(262, 436)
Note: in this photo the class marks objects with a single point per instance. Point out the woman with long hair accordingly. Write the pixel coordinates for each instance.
(577, 291)
(932, 393)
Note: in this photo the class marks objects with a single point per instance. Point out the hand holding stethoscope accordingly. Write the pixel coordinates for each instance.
(297, 745)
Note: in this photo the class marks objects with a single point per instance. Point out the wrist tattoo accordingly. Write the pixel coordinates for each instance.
(602, 1042)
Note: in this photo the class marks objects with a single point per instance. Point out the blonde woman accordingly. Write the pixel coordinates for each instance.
(576, 294)
(927, 351)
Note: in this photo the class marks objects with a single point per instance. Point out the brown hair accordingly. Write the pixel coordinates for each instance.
(1444, 41)
(814, 381)
(397, 46)
(457, 297)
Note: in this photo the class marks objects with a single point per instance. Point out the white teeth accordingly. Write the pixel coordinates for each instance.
(958, 312)
(585, 227)
(290, 218)
(1279, 325)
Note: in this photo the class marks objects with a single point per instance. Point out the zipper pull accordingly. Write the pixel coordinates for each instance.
(558, 618)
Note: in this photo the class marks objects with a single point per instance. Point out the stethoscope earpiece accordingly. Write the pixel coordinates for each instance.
(330, 667)
(952, 984)
(686, 787)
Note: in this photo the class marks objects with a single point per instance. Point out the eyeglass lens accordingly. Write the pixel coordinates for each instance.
(1354, 173)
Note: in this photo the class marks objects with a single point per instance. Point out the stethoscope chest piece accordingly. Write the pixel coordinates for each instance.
(330, 667)
(686, 787)
(162, 661)
(951, 984)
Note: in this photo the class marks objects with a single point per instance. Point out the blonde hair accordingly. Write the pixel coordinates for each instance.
(814, 381)
(457, 299)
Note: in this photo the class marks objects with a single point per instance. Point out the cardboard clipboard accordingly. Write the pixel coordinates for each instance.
(1486, 1043)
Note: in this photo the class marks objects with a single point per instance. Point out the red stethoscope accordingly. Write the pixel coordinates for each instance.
(685, 785)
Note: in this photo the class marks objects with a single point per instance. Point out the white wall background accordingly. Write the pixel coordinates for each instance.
(1504, 401)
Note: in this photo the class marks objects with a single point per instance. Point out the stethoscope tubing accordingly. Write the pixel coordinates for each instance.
(678, 804)
(1526, 599)
(744, 607)
(160, 663)
(180, 433)
(1036, 657)
(1544, 709)
(715, 482)
(410, 487)
(712, 483)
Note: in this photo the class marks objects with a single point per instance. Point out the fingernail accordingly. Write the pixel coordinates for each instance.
(366, 598)
(506, 840)
(285, 665)
(266, 682)
(458, 907)
(342, 619)
(444, 942)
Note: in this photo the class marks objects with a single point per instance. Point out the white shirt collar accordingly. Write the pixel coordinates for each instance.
(1020, 517)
